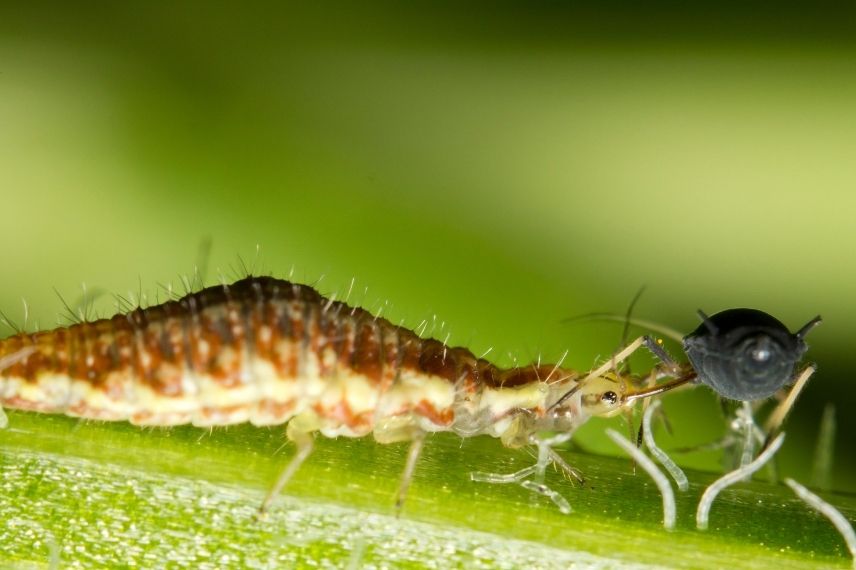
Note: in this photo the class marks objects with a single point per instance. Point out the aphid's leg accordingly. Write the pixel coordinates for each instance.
(778, 416)
(656, 348)
(658, 351)
(749, 429)
(304, 441)
(410, 466)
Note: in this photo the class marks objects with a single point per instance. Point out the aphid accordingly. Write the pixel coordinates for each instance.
(742, 354)
(270, 352)
(745, 354)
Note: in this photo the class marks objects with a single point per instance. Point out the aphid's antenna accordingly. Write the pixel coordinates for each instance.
(652, 326)
(708, 324)
(625, 332)
(808, 327)
(625, 338)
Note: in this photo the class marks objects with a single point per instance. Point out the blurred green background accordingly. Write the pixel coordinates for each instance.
(500, 165)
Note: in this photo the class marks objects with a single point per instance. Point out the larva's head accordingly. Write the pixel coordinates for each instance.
(605, 395)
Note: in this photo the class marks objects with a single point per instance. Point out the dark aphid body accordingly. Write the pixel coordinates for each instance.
(745, 354)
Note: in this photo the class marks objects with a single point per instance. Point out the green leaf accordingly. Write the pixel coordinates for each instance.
(87, 494)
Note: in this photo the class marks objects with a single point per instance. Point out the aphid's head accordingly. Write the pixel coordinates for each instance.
(745, 354)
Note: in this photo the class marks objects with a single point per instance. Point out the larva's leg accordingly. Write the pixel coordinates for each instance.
(304, 441)
(406, 477)
(547, 455)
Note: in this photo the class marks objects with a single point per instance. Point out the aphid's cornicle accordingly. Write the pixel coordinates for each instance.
(267, 351)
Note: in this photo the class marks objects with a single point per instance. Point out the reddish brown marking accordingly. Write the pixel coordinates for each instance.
(439, 417)
(365, 356)
(342, 413)
(229, 321)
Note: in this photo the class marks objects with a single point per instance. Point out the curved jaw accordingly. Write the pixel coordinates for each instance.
(641, 394)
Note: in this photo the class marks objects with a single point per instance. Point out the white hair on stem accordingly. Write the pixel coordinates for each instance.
(676, 472)
(834, 515)
(651, 468)
(739, 474)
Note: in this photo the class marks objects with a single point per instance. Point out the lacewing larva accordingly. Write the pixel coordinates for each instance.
(270, 352)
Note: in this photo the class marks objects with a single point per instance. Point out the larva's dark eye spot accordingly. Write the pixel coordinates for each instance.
(745, 354)
(609, 398)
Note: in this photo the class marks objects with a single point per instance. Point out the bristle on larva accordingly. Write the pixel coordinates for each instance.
(834, 515)
(669, 507)
(270, 352)
(732, 477)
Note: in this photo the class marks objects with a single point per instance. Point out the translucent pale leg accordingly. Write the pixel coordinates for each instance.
(304, 443)
(503, 478)
(546, 455)
(406, 477)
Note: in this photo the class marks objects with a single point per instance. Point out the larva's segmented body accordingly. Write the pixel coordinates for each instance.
(267, 351)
